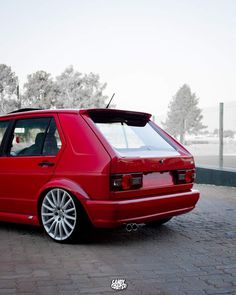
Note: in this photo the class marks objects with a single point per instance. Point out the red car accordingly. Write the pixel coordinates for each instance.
(64, 168)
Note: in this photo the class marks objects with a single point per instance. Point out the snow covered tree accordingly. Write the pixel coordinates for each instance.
(79, 91)
(184, 115)
(69, 90)
(68, 84)
(40, 91)
(8, 89)
(91, 92)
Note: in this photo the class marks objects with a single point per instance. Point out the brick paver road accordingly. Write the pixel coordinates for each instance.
(192, 254)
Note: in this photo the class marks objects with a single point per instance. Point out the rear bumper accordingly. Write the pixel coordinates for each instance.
(110, 214)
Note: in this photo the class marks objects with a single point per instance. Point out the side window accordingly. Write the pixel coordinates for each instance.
(35, 136)
(3, 128)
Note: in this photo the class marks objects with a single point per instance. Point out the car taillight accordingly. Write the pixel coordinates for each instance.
(122, 182)
(185, 176)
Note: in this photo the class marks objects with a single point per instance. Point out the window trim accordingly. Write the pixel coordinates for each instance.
(8, 149)
(8, 136)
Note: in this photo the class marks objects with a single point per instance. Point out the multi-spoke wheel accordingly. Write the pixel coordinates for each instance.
(59, 214)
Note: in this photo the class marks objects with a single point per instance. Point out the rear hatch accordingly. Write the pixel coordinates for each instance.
(145, 160)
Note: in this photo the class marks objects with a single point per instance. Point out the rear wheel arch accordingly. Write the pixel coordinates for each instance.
(70, 187)
(62, 215)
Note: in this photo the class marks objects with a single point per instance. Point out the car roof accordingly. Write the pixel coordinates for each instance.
(36, 111)
(88, 112)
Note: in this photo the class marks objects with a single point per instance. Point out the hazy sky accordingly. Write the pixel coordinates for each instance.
(145, 50)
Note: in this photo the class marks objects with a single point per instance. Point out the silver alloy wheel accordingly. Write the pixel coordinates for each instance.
(58, 214)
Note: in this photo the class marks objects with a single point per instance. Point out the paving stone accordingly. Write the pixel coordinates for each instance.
(24, 286)
(7, 284)
(52, 290)
(193, 254)
(4, 291)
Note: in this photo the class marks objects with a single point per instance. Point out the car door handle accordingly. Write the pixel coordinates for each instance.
(46, 163)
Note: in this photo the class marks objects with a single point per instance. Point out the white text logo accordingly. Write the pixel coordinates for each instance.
(118, 284)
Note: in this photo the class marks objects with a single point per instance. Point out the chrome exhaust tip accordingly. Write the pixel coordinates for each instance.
(131, 227)
(135, 226)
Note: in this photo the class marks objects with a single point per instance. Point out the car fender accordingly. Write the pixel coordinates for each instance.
(74, 188)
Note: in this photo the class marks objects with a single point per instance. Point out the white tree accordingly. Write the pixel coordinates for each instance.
(79, 91)
(184, 115)
(71, 89)
(68, 84)
(92, 91)
(40, 91)
(8, 89)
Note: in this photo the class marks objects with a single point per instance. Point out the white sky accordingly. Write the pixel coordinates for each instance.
(145, 50)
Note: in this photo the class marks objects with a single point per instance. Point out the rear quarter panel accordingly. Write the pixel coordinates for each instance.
(84, 161)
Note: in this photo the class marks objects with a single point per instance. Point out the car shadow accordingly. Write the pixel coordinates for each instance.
(21, 229)
(120, 236)
(94, 236)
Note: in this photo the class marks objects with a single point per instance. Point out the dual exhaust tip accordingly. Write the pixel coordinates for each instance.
(131, 227)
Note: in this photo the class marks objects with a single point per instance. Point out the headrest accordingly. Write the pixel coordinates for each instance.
(39, 139)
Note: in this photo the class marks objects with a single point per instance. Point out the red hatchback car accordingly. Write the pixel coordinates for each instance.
(64, 168)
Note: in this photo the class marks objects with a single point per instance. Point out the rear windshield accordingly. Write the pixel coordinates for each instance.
(126, 138)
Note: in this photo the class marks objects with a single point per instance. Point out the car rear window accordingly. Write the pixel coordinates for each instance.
(126, 138)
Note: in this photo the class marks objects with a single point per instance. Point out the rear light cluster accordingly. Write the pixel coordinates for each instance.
(122, 182)
(184, 176)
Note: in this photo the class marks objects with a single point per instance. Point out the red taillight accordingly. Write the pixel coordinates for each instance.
(190, 176)
(121, 182)
(126, 181)
(185, 176)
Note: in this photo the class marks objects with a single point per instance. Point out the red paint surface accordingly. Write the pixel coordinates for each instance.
(84, 166)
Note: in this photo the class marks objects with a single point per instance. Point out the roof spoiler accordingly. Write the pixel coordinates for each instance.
(112, 116)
